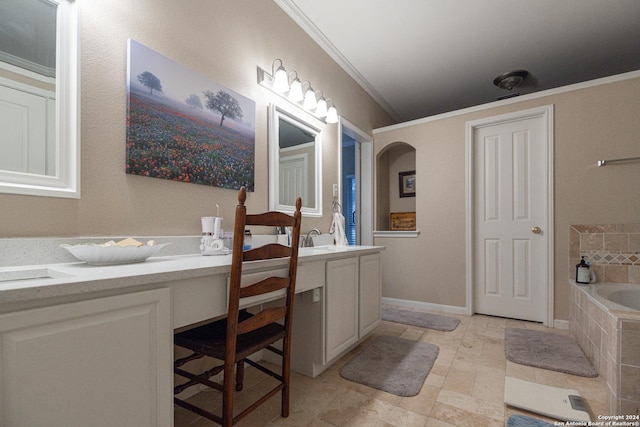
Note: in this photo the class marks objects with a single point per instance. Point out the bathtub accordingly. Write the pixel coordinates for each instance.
(605, 319)
(624, 295)
(615, 296)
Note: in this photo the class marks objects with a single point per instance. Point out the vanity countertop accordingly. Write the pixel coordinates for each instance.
(73, 279)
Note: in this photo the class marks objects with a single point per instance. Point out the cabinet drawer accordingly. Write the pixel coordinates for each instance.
(198, 299)
(310, 276)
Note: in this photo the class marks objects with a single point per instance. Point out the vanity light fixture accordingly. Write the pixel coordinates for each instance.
(295, 92)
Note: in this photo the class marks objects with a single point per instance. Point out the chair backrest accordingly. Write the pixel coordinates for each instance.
(237, 291)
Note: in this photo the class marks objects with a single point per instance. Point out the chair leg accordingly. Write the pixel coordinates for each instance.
(286, 370)
(239, 375)
(227, 394)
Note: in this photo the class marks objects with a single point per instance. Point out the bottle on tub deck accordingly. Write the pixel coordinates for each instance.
(583, 272)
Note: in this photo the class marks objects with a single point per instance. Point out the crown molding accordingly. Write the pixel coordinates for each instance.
(549, 92)
(303, 21)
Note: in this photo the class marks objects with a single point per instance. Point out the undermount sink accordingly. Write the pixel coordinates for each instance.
(327, 248)
(30, 274)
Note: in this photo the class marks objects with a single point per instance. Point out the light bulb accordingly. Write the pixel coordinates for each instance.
(332, 115)
(295, 93)
(280, 80)
(321, 111)
(310, 101)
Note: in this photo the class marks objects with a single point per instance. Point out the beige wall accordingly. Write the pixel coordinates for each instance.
(600, 122)
(223, 40)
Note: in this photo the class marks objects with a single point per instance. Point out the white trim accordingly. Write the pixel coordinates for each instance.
(277, 112)
(440, 308)
(66, 182)
(298, 147)
(291, 9)
(546, 112)
(366, 177)
(400, 234)
(560, 324)
(26, 73)
(515, 100)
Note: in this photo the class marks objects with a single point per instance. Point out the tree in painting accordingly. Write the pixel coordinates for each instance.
(151, 81)
(225, 104)
(193, 101)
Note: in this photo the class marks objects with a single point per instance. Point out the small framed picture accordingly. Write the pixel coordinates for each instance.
(407, 183)
(403, 221)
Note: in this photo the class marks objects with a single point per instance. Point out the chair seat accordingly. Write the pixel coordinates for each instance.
(210, 339)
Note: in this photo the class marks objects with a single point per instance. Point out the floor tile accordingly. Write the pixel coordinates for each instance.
(464, 388)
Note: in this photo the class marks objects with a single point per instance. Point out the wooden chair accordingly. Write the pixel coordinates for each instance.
(233, 339)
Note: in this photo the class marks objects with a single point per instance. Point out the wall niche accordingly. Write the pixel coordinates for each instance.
(396, 159)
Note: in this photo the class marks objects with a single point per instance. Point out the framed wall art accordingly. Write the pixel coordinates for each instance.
(407, 182)
(402, 221)
(185, 127)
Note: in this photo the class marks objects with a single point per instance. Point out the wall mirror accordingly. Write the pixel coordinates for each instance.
(295, 163)
(39, 98)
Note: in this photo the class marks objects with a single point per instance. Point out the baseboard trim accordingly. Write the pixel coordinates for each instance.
(560, 324)
(440, 308)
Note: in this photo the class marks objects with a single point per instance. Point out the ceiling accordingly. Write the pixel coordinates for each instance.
(418, 58)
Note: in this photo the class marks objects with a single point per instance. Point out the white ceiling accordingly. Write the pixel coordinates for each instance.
(419, 58)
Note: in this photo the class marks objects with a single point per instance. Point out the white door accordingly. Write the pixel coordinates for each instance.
(511, 225)
(293, 179)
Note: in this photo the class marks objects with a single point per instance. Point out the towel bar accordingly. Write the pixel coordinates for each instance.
(606, 162)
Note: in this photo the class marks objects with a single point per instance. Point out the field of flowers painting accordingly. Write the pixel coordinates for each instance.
(184, 127)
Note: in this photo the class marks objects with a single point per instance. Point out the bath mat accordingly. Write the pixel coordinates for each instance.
(547, 350)
(417, 318)
(392, 364)
(524, 421)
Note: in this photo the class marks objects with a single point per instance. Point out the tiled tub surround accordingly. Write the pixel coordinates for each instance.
(609, 334)
(613, 250)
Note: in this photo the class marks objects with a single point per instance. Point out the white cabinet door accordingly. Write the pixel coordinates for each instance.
(102, 362)
(341, 292)
(370, 293)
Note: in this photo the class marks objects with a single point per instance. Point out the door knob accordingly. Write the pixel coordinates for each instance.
(536, 230)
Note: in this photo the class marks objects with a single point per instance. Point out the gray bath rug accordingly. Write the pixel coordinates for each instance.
(392, 364)
(417, 318)
(547, 350)
(524, 421)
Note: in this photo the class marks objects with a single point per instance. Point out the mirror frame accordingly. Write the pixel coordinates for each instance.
(66, 181)
(275, 114)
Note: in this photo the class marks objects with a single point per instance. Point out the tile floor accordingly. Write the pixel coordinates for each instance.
(464, 388)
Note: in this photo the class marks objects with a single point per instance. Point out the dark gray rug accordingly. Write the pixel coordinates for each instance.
(417, 318)
(547, 350)
(392, 364)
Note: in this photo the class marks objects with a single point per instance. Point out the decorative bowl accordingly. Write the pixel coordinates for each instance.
(95, 254)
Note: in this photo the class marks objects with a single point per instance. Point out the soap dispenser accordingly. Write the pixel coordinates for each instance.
(583, 272)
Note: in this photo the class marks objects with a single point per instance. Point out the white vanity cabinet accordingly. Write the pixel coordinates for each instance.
(93, 346)
(346, 310)
(352, 304)
(370, 295)
(341, 307)
(100, 362)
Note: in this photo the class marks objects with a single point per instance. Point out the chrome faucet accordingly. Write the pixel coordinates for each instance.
(308, 242)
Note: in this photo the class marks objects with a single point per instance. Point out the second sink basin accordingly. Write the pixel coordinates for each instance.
(30, 274)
